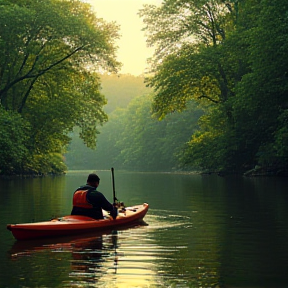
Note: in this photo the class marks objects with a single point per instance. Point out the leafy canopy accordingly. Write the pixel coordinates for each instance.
(231, 57)
(51, 54)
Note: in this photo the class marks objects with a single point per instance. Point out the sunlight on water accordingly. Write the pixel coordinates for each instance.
(128, 259)
(125, 258)
(136, 257)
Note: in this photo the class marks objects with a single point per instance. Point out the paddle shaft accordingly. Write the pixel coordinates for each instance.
(113, 183)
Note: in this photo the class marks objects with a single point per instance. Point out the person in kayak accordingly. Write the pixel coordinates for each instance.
(87, 201)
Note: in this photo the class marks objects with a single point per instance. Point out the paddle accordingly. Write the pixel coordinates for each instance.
(116, 202)
(113, 182)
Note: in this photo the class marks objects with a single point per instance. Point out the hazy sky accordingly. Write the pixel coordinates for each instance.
(132, 51)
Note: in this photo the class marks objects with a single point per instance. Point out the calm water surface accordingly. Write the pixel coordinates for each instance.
(200, 231)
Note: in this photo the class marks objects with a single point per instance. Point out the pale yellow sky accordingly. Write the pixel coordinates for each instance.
(132, 51)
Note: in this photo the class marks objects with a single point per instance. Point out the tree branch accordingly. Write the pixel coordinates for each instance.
(41, 72)
(27, 94)
(27, 54)
(209, 98)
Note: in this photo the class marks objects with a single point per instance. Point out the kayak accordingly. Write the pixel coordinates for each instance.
(76, 224)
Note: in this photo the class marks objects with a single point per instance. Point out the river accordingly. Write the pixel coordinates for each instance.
(200, 231)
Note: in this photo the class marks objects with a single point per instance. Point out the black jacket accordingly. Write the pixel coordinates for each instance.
(99, 202)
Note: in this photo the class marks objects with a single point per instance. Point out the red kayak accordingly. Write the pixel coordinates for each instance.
(74, 224)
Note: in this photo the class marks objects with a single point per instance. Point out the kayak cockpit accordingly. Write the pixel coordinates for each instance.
(73, 218)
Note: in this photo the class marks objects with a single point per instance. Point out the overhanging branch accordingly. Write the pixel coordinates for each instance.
(33, 75)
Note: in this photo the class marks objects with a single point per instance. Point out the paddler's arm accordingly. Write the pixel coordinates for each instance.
(101, 200)
(114, 212)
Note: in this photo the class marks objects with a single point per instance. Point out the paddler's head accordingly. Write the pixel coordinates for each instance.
(93, 180)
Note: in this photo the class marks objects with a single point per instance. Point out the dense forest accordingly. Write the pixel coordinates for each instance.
(230, 57)
(216, 97)
(132, 138)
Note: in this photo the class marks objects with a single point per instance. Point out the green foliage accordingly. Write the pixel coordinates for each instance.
(119, 91)
(261, 105)
(13, 144)
(40, 164)
(46, 37)
(281, 139)
(199, 66)
(214, 146)
(196, 22)
(135, 140)
(232, 58)
(51, 52)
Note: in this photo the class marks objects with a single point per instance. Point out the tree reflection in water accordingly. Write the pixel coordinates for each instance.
(87, 254)
(88, 258)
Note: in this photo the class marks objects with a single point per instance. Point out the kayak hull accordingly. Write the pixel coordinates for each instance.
(74, 224)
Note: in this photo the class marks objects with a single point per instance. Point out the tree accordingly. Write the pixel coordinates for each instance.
(147, 144)
(179, 22)
(39, 37)
(51, 52)
(233, 62)
(198, 65)
(261, 104)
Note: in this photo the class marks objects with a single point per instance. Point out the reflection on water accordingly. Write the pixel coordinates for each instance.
(130, 257)
(199, 232)
(148, 255)
(88, 260)
(122, 256)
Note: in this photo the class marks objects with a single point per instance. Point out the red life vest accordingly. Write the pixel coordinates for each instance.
(80, 200)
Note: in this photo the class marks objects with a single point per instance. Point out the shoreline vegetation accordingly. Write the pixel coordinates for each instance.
(214, 98)
(258, 171)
